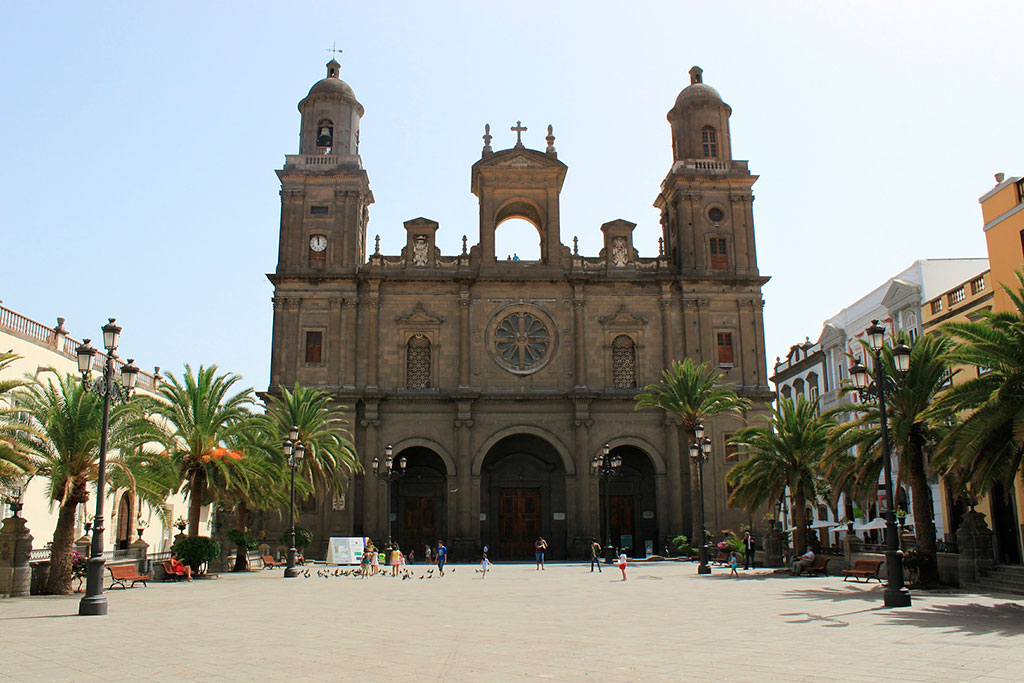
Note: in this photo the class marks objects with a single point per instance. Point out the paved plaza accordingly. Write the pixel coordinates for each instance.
(563, 624)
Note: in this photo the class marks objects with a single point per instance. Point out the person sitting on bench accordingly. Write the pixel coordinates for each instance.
(180, 569)
(805, 560)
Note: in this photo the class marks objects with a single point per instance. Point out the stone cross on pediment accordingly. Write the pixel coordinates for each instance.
(519, 129)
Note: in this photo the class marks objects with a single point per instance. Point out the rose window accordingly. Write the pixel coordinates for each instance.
(522, 342)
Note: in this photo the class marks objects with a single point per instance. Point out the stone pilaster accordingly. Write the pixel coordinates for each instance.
(15, 552)
(464, 304)
(579, 345)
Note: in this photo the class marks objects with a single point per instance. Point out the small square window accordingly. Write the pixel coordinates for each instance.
(732, 451)
(314, 347)
(725, 356)
(318, 210)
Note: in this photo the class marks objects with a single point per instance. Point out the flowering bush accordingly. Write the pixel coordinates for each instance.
(79, 564)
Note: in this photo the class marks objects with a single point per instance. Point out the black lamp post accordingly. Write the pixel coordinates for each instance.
(607, 467)
(896, 594)
(386, 470)
(700, 452)
(14, 500)
(95, 602)
(293, 450)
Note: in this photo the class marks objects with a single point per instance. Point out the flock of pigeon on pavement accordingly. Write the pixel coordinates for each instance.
(406, 574)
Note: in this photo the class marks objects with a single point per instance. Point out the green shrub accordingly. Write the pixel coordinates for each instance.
(195, 551)
(303, 537)
(683, 547)
(243, 539)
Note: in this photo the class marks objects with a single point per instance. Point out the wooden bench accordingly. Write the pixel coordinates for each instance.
(864, 569)
(123, 573)
(819, 566)
(170, 574)
(722, 559)
(270, 563)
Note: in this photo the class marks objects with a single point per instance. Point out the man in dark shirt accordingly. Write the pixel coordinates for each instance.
(442, 556)
(749, 548)
(595, 555)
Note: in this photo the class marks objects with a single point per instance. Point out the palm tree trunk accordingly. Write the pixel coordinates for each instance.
(800, 522)
(241, 517)
(924, 524)
(58, 581)
(195, 501)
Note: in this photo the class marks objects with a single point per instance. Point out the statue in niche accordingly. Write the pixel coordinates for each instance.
(419, 251)
(619, 257)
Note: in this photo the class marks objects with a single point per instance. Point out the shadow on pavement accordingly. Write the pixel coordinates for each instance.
(828, 620)
(41, 616)
(836, 594)
(972, 619)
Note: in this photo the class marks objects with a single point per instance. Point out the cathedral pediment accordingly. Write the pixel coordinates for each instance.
(419, 316)
(623, 318)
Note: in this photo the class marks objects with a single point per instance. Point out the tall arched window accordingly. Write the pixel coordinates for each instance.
(709, 139)
(417, 362)
(623, 363)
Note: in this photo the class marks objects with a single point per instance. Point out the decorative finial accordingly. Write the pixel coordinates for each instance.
(376, 245)
(487, 138)
(575, 245)
(696, 75)
(661, 246)
(333, 67)
(464, 252)
(551, 140)
(518, 130)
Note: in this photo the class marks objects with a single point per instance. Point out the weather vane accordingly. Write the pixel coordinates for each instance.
(334, 49)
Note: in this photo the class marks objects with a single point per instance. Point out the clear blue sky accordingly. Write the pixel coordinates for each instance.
(140, 141)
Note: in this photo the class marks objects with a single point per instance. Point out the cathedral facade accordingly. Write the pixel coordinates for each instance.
(498, 382)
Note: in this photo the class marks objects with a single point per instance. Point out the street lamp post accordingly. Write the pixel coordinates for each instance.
(95, 602)
(293, 450)
(896, 594)
(607, 467)
(386, 470)
(700, 452)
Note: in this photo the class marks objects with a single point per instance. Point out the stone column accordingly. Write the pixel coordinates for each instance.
(277, 352)
(372, 501)
(977, 555)
(463, 544)
(334, 355)
(578, 339)
(667, 342)
(464, 338)
(293, 340)
(350, 309)
(587, 516)
(676, 515)
(15, 552)
(373, 336)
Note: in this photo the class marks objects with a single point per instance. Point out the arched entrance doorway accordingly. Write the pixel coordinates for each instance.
(124, 522)
(522, 496)
(419, 502)
(632, 504)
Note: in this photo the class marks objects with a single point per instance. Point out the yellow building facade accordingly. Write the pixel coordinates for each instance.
(1002, 210)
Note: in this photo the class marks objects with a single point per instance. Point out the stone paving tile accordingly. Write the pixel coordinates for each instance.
(565, 624)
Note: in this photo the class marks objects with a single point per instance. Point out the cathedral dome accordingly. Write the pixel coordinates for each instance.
(332, 85)
(697, 91)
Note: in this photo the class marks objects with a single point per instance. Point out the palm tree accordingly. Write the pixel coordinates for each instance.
(987, 446)
(15, 456)
(915, 430)
(330, 460)
(783, 456)
(66, 422)
(693, 393)
(199, 415)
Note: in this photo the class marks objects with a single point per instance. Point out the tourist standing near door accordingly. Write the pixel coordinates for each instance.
(595, 555)
(539, 547)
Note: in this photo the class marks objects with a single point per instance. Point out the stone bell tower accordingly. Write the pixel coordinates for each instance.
(520, 183)
(705, 200)
(325, 193)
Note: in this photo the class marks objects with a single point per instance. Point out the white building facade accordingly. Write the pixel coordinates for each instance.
(821, 369)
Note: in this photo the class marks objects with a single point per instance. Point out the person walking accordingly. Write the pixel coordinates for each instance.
(622, 564)
(539, 547)
(396, 559)
(595, 555)
(442, 556)
(749, 548)
(734, 562)
(426, 555)
(484, 564)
